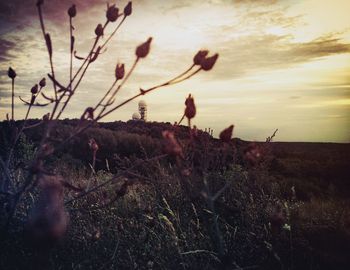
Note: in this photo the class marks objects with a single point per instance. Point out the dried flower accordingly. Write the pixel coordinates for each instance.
(112, 13)
(11, 73)
(190, 110)
(226, 134)
(172, 147)
(72, 11)
(34, 89)
(143, 49)
(119, 71)
(42, 82)
(128, 9)
(99, 30)
(200, 56)
(209, 62)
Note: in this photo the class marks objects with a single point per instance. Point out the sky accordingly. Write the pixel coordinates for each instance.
(282, 64)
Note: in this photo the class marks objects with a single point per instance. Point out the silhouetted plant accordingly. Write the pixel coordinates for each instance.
(38, 175)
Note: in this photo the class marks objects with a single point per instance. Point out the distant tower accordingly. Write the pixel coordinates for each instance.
(136, 116)
(143, 110)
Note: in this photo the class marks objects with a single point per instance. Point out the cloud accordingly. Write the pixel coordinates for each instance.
(250, 54)
(5, 49)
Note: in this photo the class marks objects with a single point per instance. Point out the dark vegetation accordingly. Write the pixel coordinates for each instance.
(287, 210)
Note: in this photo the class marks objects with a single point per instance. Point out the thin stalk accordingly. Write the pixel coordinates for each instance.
(113, 33)
(107, 93)
(71, 49)
(121, 85)
(50, 56)
(13, 100)
(143, 92)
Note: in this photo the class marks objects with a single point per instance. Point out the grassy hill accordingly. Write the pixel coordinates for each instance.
(215, 207)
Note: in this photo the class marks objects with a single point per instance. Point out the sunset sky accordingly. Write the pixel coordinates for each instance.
(282, 64)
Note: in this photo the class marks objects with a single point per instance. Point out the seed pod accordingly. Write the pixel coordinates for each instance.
(190, 110)
(128, 9)
(119, 71)
(200, 56)
(11, 73)
(42, 83)
(72, 11)
(209, 62)
(112, 13)
(226, 134)
(143, 49)
(34, 89)
(48, 44)
(99, 30)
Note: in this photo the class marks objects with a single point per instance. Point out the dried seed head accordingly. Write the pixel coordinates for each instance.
(172, 147)
(200, 56)
(119, 71)
(190, 110)
(42, 83)
(209, 62)
(128, 9)
(11, 73)
(34, 89)
(226, 134)
(143, 49)
(112, 13)
(72, 11)
(99, 30)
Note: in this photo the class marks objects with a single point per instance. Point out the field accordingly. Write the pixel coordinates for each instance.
(220, 206)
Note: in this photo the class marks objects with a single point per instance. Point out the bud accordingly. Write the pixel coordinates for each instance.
(119, 71)
(200, 56)
(226, 134)
(34, 89)
(143, 49)
(190, 110)
(172, 147)
(112, 13)
(42, 83)
(128, 9)
(209, 62)
(11, 73)
(99, 30)
(72, 11)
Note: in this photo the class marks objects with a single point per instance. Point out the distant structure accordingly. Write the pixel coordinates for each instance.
(143, 110)
(136, 116)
